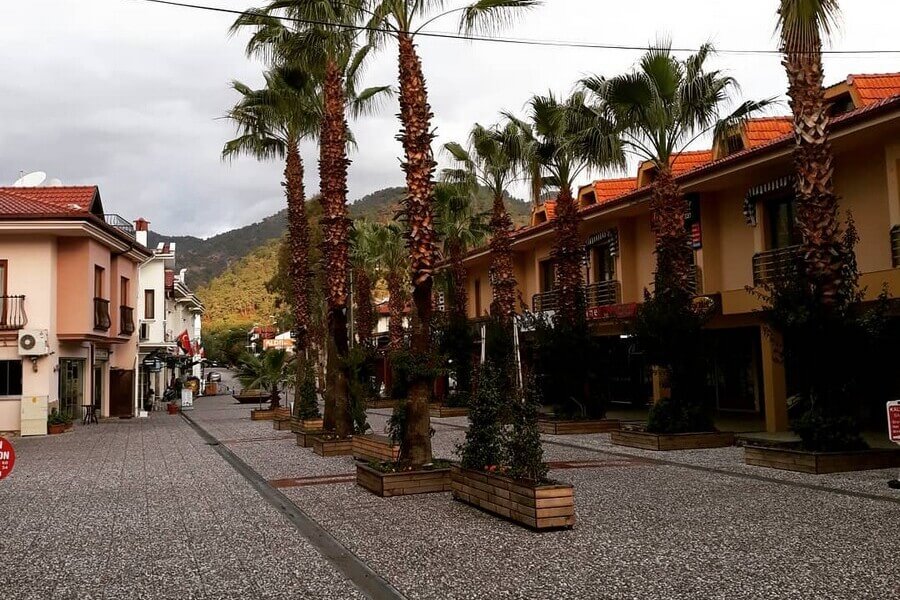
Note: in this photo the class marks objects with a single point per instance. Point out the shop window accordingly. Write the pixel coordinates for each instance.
(10, 377)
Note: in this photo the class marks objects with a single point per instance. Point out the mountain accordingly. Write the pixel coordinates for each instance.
(207, 258)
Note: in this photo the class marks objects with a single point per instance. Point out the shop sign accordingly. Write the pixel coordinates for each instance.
(187, 399)
(893, 413)
(612, 312)
(101, 355)
(7, 457)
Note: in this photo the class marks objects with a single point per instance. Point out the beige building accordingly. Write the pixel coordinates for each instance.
(741, 224)
(68, 288)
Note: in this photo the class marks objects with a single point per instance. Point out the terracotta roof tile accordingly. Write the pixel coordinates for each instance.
(607, 189)
(47, 201)
(687, 161)
(875, 87)
(764, 130)
(550, 209)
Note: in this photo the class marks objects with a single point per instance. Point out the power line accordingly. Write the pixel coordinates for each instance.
(498, 39)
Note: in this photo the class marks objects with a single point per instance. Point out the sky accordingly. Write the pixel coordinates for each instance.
(129, 95)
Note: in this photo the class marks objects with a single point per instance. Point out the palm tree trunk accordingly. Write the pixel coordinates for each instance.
(567, 254)
(335, 247)
(815, 199)
(364, 314)
(503, 280)
(460, 296)
(396, 303)
(419, 164)
(298, 236)
(673, 252)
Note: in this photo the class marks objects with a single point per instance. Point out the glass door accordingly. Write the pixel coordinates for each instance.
(71, 386)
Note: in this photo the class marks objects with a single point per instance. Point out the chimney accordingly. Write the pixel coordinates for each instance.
(141, 229)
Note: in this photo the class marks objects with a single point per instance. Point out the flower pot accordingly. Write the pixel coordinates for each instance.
(172, 408)
(56, 428)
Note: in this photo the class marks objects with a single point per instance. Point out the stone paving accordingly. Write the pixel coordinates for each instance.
(167, 516)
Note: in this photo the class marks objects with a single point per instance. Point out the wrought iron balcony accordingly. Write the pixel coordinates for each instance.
(895, 246)
(101, 314)
(544, 301)
(120, 223)
(602, 293)
(12, 313)
(126, 320)
(772, 265)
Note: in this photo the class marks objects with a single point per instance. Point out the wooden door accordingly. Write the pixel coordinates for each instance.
(121, 393)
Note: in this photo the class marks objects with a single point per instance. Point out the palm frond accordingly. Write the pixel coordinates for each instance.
(486, 16)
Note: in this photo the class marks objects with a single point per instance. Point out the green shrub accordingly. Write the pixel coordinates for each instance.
(670, 415)
(524, 453)
(485, 439)
(306, 403)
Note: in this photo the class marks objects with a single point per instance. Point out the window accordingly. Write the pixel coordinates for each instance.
(548, 276)
(604, 263)
(98, 282)
(3, 270)
(124, 296)
(477, 298)
(782, 232)
(149, 304)
(10, 377)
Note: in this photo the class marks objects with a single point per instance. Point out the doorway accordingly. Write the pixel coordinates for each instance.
(71, 386)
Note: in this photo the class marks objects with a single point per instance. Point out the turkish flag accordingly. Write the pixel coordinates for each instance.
(184, 342)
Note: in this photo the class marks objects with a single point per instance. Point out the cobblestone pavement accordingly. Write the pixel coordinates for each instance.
(698, 525)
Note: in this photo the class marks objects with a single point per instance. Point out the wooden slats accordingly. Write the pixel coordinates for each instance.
(335, 447)
(820, 463)
(404, 483)
(438, 411)
(375, 447)
(672, 441)
(298, 425)
(556, 427)
(262, 414)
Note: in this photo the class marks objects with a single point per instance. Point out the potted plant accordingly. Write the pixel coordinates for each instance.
(306, 417)
(172, 408)
(267, 372)
(58, 422)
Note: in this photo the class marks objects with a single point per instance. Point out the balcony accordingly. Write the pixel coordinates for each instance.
(119, 223)
(695, 281)
(126, 320)
(12, 313)
(603, 293)
(772, 265)
(101, 314)
(895, 246)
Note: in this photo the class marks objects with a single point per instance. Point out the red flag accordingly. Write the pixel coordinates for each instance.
(184, 342)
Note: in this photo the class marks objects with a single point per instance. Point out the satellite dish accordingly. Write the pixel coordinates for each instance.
(54, 183)
(31, 179)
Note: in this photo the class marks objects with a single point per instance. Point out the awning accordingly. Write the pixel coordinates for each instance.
(758, 191)
(609, 237)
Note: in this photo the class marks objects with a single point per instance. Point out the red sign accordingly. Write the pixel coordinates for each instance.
(893, 410)
(7, 457)
(612, 312)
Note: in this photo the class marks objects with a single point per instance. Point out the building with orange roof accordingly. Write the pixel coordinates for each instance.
(68, 291)
(740, 217)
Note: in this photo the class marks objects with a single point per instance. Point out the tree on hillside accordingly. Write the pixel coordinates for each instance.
(402, 19)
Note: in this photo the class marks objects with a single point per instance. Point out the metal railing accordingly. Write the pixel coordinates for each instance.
(119, 223)
(101, 314)
(603, 293)
(772, 265)
(695, 281)
(12, 313)
(895, 246)
(126, 320)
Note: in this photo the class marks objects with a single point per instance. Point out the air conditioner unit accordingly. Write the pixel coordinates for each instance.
(34, 342)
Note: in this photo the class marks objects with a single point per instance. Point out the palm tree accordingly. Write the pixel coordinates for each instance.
(322, 38)
(460, 229)
(491, 160)
(801, 25)
(393, 262)
(403, 19)
(270, 371)
(364, 261)
(271, 122)
(566, 137)
(661, 108)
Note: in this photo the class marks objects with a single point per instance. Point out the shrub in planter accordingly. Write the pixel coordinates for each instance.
(58, 422)
(360, 362)
(455, 343)
(306, 404)
(485, 439)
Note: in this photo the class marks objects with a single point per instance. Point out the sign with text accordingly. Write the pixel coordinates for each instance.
(187, 399)
(612, 312)
(7, 457)
(893, 414)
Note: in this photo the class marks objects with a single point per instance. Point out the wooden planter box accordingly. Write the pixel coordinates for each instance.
(305, 438)
(539, 507)
(672, 441)
(557, 427)
(262, 414)
(335, 447)
(382, 403)
(281, 421)
(402, 484)
(374, 447)
(251, 398)
(303, 425)
(439, 411)
(819, 463)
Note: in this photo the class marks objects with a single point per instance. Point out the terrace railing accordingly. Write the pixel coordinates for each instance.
(771, 265)
(602, 293)
(120, 223)
(12, 313)
(101, 314)
(126, 320)
(895, 246)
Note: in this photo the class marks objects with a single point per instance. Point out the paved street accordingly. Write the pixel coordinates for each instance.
(149, 509)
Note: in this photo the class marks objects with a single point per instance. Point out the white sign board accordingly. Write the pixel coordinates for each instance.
(893, 417)
(187, 399)
(33, 415)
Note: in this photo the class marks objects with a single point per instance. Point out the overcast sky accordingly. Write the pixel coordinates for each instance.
(126, 94)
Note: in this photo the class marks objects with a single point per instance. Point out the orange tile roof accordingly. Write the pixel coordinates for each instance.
(687, 161)
(550, 209)
(763, 130)
(874, 87)
(62, 201)
(607, 189)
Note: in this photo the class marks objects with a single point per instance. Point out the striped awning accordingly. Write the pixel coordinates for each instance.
(758, 191)
(609, 237)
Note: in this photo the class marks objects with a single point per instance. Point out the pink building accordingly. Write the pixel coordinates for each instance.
(68, 288)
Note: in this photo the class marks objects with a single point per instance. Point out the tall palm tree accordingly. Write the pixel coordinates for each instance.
(270, 371)
(661, 107)
(403, 19)
(271, 122)
(460, 228)
(801, 25)
(566, 137)
(393, 265)
(364, 261)
(321, 37)
(491, 160)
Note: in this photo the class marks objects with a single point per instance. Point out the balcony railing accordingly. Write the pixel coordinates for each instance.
(895, 245)
(603, 293)
(101, 314)
(695, 281)
(12, 313)
(119, 223)
(772, 265)
(126, 320)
